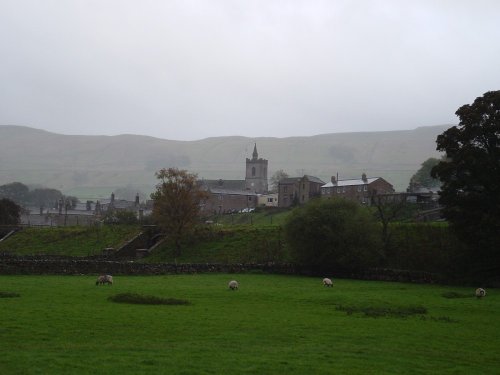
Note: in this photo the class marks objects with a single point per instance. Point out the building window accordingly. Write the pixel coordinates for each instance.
(359, 187)
(269, 200)
(339, 190)
(285, 189)
(302, 197)
(253, 171)
(249, 198)
(365, 188)
(343, 189)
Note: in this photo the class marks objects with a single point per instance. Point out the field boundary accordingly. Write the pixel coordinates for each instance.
(53, 265)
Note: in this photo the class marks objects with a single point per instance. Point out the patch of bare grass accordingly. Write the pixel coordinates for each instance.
(9, 294)
(383, 311)
(141, 299)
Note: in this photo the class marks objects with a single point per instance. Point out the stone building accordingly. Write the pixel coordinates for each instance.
(227, 196)
(298, 190)
(360, 190)
(256, 173)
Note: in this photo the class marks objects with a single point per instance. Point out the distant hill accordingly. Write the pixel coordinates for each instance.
(93, 166)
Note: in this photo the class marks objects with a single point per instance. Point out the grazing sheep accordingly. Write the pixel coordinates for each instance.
(480, 292)
(327, 282)
(104, 279)
(233, 285)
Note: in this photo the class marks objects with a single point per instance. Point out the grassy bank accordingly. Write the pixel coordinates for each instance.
(68, 241)
(271, 325)
(234, 244)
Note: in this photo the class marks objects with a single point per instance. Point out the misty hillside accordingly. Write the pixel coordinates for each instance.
(92, 166)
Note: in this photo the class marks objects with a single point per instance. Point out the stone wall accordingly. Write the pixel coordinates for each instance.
(80, 266)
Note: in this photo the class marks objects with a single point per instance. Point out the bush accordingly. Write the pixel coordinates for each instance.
(333, 234)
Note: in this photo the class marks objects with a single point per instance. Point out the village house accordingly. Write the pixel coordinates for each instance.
(298, 190)
(360, 190)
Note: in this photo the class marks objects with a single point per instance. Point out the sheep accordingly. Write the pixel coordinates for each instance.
(104, 279)
(480, 292)
(233, 285)
(327, 282)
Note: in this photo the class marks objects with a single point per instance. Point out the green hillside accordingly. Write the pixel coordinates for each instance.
(93, 166)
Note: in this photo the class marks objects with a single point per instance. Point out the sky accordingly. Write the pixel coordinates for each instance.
(187, 70)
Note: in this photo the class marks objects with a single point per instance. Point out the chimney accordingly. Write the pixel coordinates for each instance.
(363, 177)
(334, 180)
(137, 199)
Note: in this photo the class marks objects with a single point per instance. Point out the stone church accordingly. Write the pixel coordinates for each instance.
(228, 196)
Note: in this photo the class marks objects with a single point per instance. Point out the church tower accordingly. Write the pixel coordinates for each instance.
(256, 174)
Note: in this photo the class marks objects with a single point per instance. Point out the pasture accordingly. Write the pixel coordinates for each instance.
(272, 325)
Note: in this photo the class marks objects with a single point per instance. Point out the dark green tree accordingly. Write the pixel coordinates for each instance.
(470, 177)
(44, 197)
(423, 176)
(333, 235)
(177, 203)
(10, 212)
(15, 191)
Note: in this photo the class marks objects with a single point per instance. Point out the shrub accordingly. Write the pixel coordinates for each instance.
(333, 234)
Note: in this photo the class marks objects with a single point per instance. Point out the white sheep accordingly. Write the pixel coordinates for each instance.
(104, 279)
(233, 285)
(327, 282)
(480, 292)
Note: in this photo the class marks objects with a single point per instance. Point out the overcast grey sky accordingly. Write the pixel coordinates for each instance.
(193, 69)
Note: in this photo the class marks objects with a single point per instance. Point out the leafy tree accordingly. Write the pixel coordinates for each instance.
(15, 191)
(10, 212)
(423, 176)
(177, 201)
(333, 234)
(275, 179)
(44, 197)
(470, 175)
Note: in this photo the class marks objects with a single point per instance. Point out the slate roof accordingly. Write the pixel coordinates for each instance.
(224, 184)
(353, 182)
(231, 192)
(292, 180)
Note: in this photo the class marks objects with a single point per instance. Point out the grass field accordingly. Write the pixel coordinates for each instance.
(68, 241)
(271, 325)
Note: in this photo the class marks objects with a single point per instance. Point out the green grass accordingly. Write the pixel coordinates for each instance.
(68, 241)
(236, 244)
(272, 325)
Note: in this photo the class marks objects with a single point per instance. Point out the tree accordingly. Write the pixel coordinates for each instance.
(44, 197)
(275, 179)
(423, 176)
(388, 208)
(177, 201)
(470, 175)
(15, 191)
(333, 235)
(10, 212)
